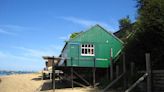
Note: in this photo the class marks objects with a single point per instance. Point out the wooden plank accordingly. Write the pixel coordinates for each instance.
(107, 73)
(72, 73)
(153, 71)
(148, 69)
(132, 65)
(81, 78)
(124, 71)
(158, 71)
(159, 82)
(111, 64)
(94, 70)
(53, 75)
(136, 83)
(117, 71)
(112, 83)
(68, 79)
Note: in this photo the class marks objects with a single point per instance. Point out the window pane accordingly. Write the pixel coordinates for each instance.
(91, 51)
(85, 51)
(82, 51)
(85, 45)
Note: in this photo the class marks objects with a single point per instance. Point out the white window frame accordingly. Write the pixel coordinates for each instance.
(86, 50)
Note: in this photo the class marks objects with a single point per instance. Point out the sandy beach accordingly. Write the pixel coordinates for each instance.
(32, 83)
(20, 83)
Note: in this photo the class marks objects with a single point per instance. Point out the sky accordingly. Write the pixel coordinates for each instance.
(30, 29)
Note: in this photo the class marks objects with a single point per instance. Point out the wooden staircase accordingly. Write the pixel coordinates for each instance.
(158, 80)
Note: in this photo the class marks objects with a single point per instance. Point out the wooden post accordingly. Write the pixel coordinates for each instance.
(148, 69)
(132, 68)
(117, 71)
(72, 73)
(81, 78)
(111, 64)
(94, 70)
(53, 75)
(124, 71)
(107, 71)
(136, 83)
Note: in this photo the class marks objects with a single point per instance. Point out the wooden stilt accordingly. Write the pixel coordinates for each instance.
(68, 79)
(107, 73)
(81, 77)
(72, 73)
(148, 69)
(132, 68)
(117, 71)
(136, 83)
(111, 65)
(94, 70)
(53, 75)
(112, 83)
(124, 71)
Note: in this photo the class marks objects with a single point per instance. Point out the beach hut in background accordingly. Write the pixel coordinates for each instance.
(89, 53)
(49, 62)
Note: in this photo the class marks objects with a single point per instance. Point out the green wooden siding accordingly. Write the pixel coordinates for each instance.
(102, 41)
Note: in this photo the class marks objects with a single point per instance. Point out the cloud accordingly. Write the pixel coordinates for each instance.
(11, 61)
(9, 56)
(65, 37)
(27, 58)
(52, 50)
(28, 52)
(85, 22)
(13, 29)
(56, 47)
(2, 31)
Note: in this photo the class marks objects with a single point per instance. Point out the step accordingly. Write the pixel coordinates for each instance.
(158, 78)
(158, 74)
(158, 81)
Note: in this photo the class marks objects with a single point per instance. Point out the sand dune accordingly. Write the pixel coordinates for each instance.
(20, 83)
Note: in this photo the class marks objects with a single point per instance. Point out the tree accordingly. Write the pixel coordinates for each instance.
(150, 34)
(124, 22)
(126, 28)
(73, 35)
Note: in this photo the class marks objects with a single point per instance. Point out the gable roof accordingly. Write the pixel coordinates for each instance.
(97, 25)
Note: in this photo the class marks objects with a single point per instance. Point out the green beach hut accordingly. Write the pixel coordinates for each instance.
(93, 48)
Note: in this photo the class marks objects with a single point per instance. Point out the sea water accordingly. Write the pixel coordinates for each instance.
(4, 73)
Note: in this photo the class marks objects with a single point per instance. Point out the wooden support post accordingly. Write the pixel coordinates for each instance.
(136, 83)
(124, 71)
(72, 73)
(112, 83)
(111, 70)
(42, 75)
(117, 71)
(81, 77)
(111, 64)
(94, 70)
(75, 82)
(53, 75)
(148, 69)
(132, 68)
(107, 73)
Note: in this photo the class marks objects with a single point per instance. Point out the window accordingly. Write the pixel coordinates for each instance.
(87, 50)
